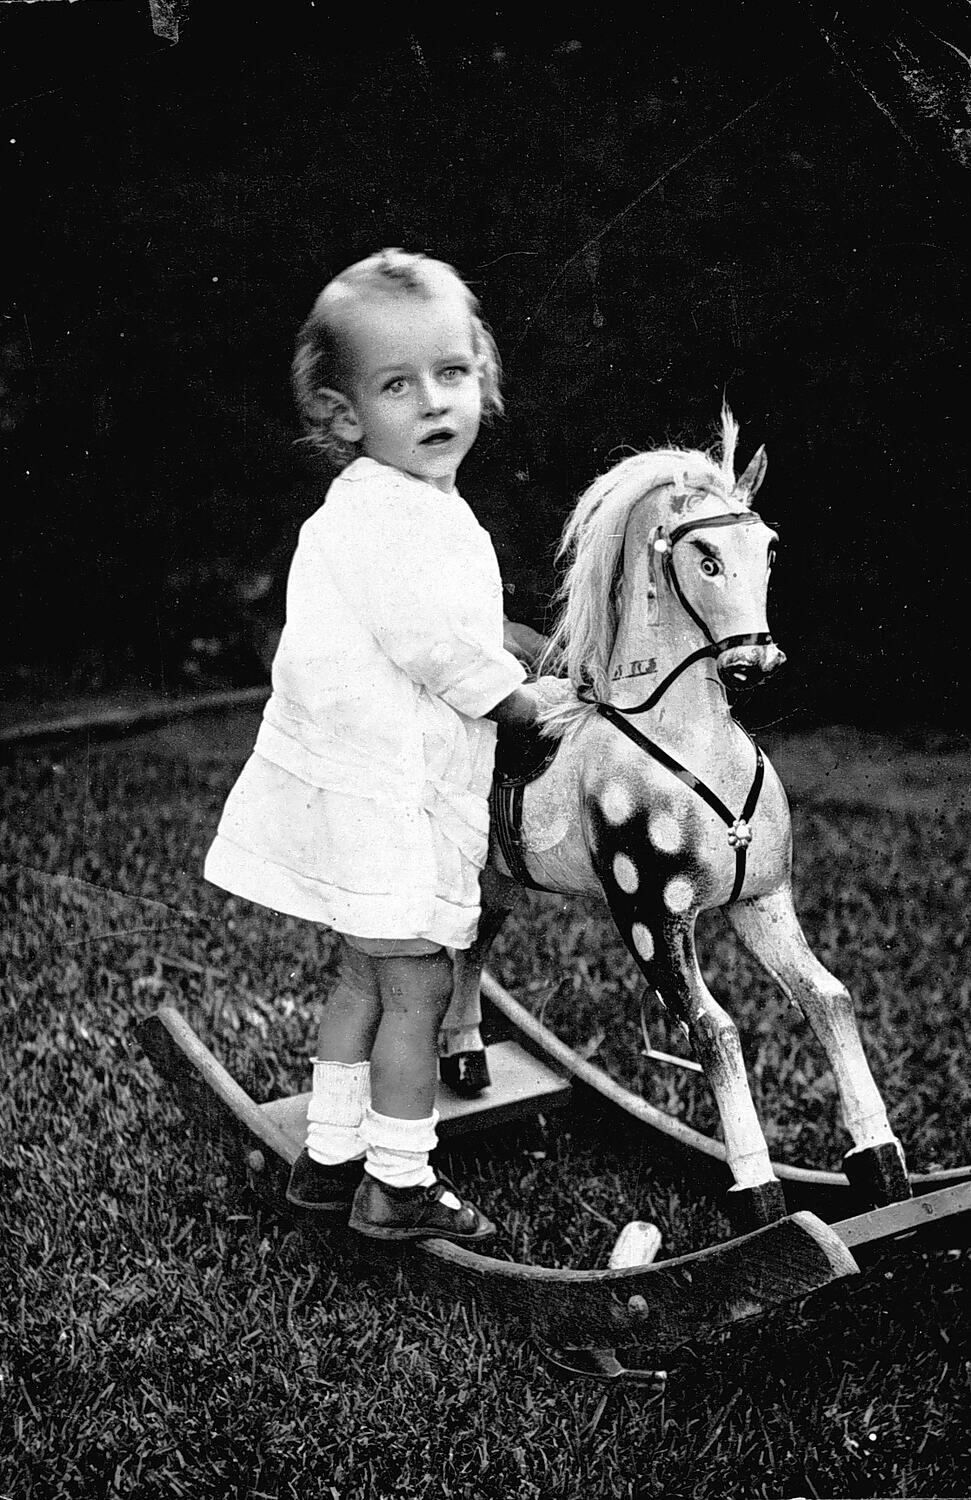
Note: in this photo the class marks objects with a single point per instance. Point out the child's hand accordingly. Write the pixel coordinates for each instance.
(521, 641)
(518, 711)
(520, 743)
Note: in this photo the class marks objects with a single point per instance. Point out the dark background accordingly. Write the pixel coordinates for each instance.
(708, 203)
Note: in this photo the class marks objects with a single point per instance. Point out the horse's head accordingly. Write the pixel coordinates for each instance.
(715, 555)
(663, 546)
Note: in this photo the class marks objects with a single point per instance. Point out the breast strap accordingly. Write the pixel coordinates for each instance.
(739, 831)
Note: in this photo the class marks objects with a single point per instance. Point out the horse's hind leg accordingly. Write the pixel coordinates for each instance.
(462, 1057)
(769, 928)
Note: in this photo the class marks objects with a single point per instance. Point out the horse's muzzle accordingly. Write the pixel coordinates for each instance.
(747, 666)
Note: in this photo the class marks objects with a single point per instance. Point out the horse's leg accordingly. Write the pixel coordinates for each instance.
(462, 1057)
(663, 944)
(769, 928)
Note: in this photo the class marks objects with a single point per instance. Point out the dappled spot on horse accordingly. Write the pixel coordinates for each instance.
(643, 941)
(617, 802)
(679, 894)
(664, 832)
(625, 873)
(633, 870)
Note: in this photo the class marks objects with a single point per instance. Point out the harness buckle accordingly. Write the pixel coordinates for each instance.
(740, 834)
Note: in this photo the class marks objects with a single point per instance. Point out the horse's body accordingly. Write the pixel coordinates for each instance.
(665, 603)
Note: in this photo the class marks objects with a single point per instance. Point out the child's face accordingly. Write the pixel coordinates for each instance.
(414, 385)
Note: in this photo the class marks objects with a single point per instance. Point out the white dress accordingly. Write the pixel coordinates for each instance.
(364, 805)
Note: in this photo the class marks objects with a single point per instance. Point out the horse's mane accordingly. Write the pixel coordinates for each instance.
(590, 550)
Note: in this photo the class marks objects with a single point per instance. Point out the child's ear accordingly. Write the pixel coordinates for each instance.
(332, 409)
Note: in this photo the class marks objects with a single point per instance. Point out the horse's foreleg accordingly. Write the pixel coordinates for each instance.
(665, 953)
(769, 928)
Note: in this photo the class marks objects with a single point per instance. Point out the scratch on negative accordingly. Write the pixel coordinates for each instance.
(45, 877)
(945, 43)
(644, 193)
(120, 932)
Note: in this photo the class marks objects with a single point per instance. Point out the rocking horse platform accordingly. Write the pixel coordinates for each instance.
(657, 1305)
(521, 1086)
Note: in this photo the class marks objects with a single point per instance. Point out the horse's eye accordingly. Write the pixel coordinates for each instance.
(709, 567)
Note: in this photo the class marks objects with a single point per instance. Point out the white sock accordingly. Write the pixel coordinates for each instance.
(397, 1150)
(340, 1094)
(454, 1039)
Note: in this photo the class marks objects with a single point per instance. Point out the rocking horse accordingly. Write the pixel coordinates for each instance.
(648, 792)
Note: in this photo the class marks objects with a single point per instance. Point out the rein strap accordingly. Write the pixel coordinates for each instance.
(754, 638)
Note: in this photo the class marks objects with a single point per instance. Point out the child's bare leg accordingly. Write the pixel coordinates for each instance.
(351, 1014)
(400, 1197)
(415, 992)
(324, 1174)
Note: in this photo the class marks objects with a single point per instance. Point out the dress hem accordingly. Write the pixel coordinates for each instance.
(365, 914)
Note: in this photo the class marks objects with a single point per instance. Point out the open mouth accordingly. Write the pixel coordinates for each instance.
(437, 439)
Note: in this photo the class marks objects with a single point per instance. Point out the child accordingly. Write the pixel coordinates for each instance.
(364, 804)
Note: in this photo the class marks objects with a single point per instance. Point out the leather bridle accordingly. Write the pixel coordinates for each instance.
(739, 828)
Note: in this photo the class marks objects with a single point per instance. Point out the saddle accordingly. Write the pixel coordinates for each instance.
(522, 755)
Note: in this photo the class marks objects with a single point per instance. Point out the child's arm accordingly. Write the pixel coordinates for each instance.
(526, 644)
(430, 608)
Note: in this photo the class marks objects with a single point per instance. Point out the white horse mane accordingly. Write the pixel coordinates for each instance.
(582, 639)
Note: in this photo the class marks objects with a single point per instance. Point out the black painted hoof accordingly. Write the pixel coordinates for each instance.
(465, 1073)
(754, 1207)
(877, 1174)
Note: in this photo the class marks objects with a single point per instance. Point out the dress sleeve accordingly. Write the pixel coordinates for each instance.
(431, 596)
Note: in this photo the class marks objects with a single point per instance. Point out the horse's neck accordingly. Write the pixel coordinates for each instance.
(644, 654)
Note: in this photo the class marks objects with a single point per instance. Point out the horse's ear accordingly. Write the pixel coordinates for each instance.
(747, 486)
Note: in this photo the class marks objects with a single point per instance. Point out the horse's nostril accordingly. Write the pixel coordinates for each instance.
(740, 674)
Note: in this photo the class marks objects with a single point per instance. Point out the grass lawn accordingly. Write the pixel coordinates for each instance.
(160, 1337)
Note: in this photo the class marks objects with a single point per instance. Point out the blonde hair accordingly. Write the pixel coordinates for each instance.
(320, 360)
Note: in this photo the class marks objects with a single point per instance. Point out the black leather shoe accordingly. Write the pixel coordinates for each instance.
(390, 1213)
(324, 1190)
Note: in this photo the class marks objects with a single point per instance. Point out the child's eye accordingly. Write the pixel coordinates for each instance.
(455, 372)
(395, 385)
(709, 567)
